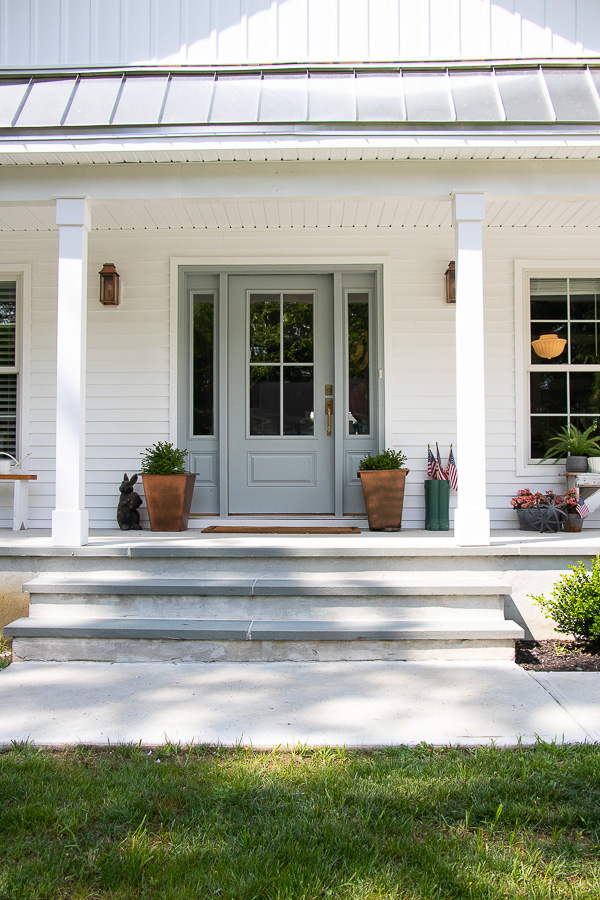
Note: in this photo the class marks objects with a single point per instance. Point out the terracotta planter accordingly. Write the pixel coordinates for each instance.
(169, 499)
(384, 498)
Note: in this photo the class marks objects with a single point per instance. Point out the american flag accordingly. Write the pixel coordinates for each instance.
(452, 471)
(582, 507)
(440, 473)
(430, 462)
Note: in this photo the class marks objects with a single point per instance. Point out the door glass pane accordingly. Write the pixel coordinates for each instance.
(203, 388)
(264, 328)
(298, 400)
(548, 392)
(264, 399)
(358, 364)
(297, 328)
(585, 392)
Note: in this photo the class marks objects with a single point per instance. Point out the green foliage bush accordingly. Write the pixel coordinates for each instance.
(388, 459)
(164, 459)
(575, 602)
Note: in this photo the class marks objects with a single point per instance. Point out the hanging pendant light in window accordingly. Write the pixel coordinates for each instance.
(549, 346)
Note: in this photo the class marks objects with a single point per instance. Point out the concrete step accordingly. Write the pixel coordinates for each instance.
(302, 595)
(483, 634)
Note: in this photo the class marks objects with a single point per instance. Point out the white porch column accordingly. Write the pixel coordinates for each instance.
(70, 520)
(471, 518)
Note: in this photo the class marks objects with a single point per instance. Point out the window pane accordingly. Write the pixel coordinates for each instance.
(584, 306)
(585, 345)
(264, 328)
(358, 364)
(543, 429)
(203, 364)
(298, 400)
(8, 413)
(549, 307)
(557, 328)
(264, 399)
(548, 392)
(8, 319)
(585, 392)
(297, 328)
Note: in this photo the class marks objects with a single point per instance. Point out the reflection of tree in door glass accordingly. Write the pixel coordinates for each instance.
(297, 328)
(358, 364)
(264, 328)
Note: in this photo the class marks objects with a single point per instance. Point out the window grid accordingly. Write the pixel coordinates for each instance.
(571, 288)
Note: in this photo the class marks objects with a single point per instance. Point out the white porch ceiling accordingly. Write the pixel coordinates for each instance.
(156, 215)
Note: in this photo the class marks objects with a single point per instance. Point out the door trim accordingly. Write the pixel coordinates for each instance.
(379, 266)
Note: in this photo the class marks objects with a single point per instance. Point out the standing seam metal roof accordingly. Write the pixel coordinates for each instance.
(406, 98)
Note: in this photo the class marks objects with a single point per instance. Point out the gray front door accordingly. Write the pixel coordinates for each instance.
(281, 373)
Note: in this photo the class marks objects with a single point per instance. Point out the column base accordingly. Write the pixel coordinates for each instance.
(70, 527)
(472, 527)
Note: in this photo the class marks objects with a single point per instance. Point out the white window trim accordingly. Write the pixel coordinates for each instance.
(525, 269)
(21, 274)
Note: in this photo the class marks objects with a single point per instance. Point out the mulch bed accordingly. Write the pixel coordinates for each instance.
(558, 656)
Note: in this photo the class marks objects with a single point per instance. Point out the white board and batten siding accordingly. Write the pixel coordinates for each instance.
(55, 33)
(128, 351)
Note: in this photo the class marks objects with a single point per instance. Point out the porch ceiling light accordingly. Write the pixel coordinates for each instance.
(110, 285)
(549, 346)
(451, 283)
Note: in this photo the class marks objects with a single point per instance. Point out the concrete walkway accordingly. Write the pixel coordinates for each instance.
(270, 704)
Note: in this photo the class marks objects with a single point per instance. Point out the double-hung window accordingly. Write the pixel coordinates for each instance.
(564, 389)
(9, 369)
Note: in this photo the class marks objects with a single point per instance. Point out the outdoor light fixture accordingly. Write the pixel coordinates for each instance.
(109, 285)
(451, 283)
(548, 346)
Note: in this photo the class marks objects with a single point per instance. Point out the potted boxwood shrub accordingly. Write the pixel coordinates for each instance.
(382, 478)
(168, 487)
(576, 445)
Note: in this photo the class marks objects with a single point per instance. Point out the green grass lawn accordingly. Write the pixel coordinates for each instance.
(170, 823)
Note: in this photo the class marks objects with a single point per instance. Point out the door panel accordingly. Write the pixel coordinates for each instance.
(281, 457)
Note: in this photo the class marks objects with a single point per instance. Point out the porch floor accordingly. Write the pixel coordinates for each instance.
(410, 542)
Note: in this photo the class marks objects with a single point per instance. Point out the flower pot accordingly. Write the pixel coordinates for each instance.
(384, 497)
(542, 518)
(594, 464)
(574, 523)
(577, 464)
(169, 499)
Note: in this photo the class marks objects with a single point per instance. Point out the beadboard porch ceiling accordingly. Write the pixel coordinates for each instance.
(376, 212)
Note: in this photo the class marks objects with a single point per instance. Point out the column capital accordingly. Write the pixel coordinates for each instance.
(73, 211)
(468, 206)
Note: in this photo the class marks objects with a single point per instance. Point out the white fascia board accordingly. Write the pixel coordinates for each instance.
(449, 140)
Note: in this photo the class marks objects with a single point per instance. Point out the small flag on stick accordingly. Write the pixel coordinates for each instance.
(452, 471)
(440, 473)
(582, 507)
(430, 462)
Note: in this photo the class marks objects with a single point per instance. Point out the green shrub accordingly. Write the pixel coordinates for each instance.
(575, 602)
(388, 459)
(164, 459)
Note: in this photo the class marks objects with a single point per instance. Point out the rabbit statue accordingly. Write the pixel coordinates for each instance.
(128, 516)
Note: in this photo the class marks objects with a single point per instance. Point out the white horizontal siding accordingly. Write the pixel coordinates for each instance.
(233, 32)
(128, 353)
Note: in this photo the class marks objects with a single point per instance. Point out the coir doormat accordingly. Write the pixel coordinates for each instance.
(278, 529)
